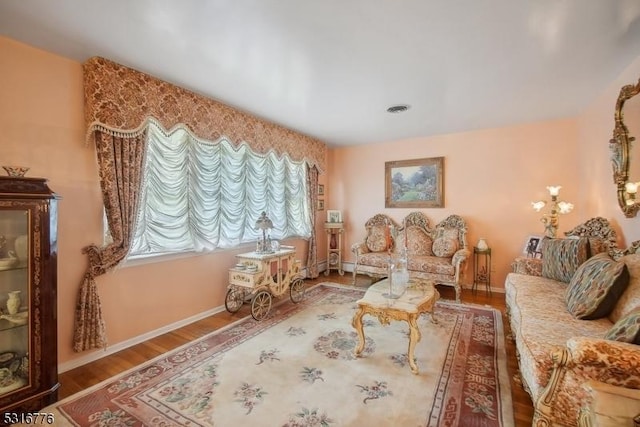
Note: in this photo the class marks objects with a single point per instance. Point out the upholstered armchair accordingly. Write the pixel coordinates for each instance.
(373, 252)
(444, 258)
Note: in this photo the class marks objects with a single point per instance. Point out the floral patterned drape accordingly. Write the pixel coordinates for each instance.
(120, 162)
(312, 255)
(120, 99)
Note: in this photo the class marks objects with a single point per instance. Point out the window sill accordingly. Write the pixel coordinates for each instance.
(152, 259)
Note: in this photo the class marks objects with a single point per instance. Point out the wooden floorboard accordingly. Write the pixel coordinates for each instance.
(85, 376)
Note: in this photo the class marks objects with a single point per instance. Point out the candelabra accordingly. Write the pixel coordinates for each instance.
(551, 220)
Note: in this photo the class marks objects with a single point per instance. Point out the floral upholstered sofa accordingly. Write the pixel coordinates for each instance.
(437, 253)
(559, 353)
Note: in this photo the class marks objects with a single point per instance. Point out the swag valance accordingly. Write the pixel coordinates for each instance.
(119, 100)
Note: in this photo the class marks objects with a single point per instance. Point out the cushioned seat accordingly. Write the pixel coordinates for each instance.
(535, 304)
(432, 264)
(375, 259)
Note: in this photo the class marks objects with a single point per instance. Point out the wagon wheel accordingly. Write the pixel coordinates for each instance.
(234, 300)
(261, 305)
(296, 290)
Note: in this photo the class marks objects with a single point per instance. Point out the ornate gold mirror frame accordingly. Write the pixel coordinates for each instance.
(620, 146)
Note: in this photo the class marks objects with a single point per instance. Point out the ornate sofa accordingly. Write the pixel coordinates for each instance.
(437, 253)
(559, 354)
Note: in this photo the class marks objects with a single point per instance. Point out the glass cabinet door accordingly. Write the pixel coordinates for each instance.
(14, 299)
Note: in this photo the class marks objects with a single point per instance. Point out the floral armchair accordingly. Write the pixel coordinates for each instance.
(374, 252)
(435, 253)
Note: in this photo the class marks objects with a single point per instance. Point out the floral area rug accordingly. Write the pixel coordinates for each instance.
(296, 368)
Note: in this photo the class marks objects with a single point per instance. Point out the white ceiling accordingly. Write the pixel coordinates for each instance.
(330, 68)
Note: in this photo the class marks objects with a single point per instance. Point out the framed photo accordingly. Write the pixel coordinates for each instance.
(417, 183)
(320, 204)
(533, 246)
(320, 189)
(334, 216)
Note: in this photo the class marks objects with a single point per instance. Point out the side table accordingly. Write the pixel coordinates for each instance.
(482, 269)
(334, 230)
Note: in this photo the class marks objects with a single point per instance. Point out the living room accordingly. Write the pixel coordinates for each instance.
(492, 174)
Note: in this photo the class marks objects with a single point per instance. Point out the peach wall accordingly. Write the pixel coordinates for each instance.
(41, 115)
(595, 129)
(491, 177)
(43, 128)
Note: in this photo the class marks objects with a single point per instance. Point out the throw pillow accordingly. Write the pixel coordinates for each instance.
(630, 299)
(627, 329)
(596, 287)
(418, 242)
(444, 247)
(597, 245)
(562, 257)
(377, 239)
(447, 233)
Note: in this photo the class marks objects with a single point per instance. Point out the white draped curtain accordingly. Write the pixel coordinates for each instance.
(200, 195)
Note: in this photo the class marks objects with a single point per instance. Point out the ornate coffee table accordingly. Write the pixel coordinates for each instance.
(420, 297)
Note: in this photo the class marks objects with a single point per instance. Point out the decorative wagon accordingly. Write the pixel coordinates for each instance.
(259, 277)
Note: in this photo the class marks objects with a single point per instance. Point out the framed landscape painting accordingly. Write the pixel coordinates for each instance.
(417, 183)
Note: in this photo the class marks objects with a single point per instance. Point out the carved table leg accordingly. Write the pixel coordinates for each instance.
(414, 338)
(357, 324)
(434, 319)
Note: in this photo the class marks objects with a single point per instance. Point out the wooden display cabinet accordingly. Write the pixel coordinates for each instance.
(28, 282)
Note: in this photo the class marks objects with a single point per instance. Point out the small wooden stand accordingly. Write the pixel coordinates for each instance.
(482, 270)
(334, 230)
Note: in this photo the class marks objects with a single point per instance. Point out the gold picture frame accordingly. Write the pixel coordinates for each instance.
(416, 183)
(320, 204)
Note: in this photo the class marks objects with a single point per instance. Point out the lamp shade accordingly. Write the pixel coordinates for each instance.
(538, 205)
(631, 187)
(263, 222)
(554, 190)
(565, 207)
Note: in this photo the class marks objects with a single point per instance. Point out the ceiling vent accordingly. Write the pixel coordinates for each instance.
(394, 109)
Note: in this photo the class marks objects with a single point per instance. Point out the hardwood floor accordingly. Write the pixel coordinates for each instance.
(85, 376)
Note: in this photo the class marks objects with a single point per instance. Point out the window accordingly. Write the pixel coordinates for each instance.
(202, 195)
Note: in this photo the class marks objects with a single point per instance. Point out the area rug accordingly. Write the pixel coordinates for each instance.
(297, 368)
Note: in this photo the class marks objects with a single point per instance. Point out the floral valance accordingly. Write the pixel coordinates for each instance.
(120, 100)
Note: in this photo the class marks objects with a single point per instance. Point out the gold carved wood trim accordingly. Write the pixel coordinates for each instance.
(620, 146)
(120, 100)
